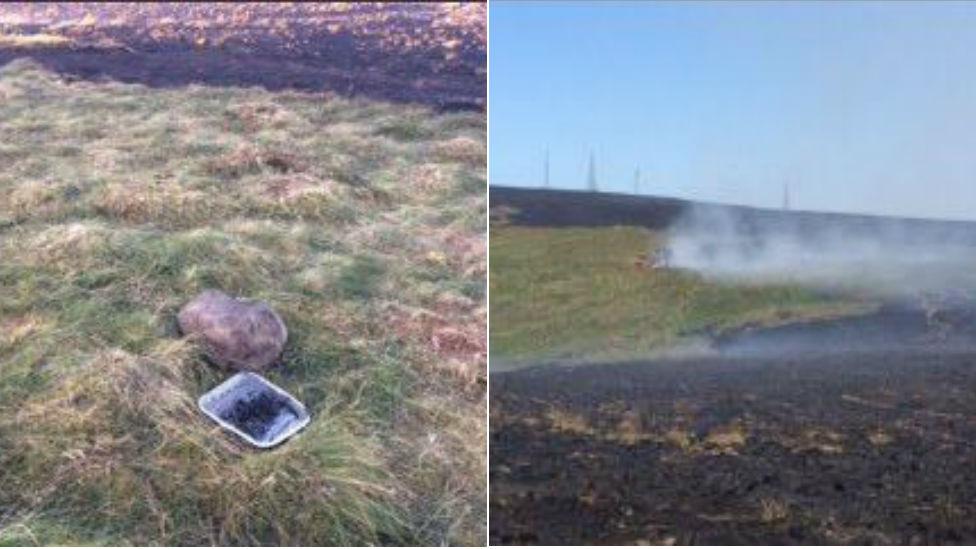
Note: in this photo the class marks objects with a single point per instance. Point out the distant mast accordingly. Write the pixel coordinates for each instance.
(591, 177)
(786, 196)
(637, 180)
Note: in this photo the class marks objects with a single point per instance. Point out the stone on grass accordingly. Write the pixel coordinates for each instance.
(235, 333)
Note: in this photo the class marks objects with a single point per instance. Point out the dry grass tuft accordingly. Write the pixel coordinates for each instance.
(66, 246)
(815, 439)
(462, 149)
(258, 115)
(248, 159)
(166, 203)
(428, 179)
(726, 439)
(880, 437)
(458, 350)
(773, 510)
(679, 437)
(629, 430)
(29, 197)
(16, 329)
(570, 423)
(26, 41)
(289, 188)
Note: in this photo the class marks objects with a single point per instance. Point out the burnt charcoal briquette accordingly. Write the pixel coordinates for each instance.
(256, 416)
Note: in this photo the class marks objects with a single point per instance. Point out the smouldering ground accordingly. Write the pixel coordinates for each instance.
(361, 223)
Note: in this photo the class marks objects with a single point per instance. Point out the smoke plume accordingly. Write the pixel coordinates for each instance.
(885, 256)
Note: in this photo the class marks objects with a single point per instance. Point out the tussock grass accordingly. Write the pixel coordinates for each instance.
(585, 294)
(118, 203)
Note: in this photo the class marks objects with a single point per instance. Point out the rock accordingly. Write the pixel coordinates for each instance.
(236, 333)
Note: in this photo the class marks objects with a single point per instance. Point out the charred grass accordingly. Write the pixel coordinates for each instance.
(356, 220)
(830, 449)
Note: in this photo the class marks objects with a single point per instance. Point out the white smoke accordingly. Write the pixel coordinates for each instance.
(889, 257)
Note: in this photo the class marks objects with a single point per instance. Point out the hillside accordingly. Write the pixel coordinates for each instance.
(570, 281)
(674, 406)
(529, 207)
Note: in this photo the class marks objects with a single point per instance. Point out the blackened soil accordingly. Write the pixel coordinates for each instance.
(869, 445)
(565, 208)
(255, 416)
(950, 328)
(309, 57)
(561, 208)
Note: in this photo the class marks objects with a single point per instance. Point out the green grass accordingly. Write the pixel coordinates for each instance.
(580, 293)
(119, 203)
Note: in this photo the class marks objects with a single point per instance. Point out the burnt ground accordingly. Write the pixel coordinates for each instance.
(530, 207)
(847, 431)
(562, 208)
(425, 54)
(854, 432)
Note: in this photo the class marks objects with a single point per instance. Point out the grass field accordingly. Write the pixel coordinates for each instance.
(361, 223)
(581, 293)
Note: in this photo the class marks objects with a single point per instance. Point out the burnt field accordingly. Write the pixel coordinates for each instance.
(837, 446)
(529, 207)
(429, 54)
(848, 429)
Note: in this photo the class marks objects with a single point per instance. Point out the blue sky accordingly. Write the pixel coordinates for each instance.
(858, 107)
